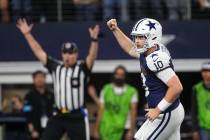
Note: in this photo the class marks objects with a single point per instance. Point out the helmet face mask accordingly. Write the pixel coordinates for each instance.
(151, 30)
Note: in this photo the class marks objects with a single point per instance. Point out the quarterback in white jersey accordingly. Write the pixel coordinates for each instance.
(162, 86)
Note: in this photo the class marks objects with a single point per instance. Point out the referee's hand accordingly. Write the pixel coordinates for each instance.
(94, 31)
(23, 26)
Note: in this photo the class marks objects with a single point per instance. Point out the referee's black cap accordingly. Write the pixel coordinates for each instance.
(69, 47)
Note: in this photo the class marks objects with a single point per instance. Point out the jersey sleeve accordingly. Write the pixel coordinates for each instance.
(85, 68)
(158, 61)
(165, 75)
(51, 64)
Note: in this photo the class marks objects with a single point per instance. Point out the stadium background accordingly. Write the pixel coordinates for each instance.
(186, 38)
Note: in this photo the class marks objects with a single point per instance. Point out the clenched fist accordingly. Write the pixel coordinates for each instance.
(112, 24)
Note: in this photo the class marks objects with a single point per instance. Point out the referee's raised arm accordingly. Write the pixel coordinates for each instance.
(26, 28)
(93, 46)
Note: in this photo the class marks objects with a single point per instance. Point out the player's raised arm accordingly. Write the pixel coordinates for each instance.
(26, 28)
(93, 51)
(125, 43)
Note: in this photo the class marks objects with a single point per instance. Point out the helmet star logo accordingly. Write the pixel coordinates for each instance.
(151, 25)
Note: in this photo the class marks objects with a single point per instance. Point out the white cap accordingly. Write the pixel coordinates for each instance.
(206, 66)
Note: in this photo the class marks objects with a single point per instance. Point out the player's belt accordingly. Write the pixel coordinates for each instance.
(64, 110)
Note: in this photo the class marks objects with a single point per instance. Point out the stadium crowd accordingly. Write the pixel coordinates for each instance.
(125, 10)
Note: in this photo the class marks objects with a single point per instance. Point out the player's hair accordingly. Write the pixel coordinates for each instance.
(38, 72)
(120, 67)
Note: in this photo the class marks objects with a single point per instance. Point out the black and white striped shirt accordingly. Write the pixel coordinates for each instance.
(69, 83)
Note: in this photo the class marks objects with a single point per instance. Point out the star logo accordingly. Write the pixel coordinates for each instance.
(151, 25)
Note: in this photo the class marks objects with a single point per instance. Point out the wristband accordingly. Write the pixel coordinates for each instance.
(163, 105)
(94, 39)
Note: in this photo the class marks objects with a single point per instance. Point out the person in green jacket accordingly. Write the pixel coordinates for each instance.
(201, 106)
(118, 107)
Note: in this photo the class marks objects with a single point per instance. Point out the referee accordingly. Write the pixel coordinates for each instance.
(69, 80)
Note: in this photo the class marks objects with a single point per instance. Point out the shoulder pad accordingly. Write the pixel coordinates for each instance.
(158, 61)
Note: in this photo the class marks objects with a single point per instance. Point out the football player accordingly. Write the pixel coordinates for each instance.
(162, 86)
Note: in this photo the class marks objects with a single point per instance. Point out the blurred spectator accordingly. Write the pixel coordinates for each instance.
(21, 8)
(44, 10)
(146, 8)
(204, 4)
(203, 11)
(116, 118)
(177, 9)
(4, 7)
(137, 8)
(17, 104)
(86, 9)
(14, 128)
(68, 10)
(201, 106)
(6, 106)
(12, 105)
(38, 106)
(115, 9)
